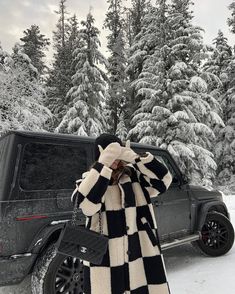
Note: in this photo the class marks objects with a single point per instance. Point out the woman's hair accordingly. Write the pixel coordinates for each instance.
(120, 169)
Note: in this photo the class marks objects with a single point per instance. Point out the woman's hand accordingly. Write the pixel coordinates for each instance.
(127, 154)
(109, 154)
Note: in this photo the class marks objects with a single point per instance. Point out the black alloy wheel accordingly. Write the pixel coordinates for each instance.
(68, 276)
(217, 235)
(56, 274)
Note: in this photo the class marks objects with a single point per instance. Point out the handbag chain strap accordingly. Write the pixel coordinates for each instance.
(75, 211)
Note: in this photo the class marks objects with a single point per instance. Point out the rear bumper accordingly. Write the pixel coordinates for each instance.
(13, 269)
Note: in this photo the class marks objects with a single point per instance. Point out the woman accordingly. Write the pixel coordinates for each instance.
(120, 184)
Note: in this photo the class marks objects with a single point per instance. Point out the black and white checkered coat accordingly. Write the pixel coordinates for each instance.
(133, 262)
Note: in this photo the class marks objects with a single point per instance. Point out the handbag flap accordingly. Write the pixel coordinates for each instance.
(82, 236)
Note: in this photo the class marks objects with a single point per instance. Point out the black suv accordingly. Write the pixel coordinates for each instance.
(38, 174)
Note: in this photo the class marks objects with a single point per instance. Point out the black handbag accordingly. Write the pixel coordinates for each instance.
(81, 242)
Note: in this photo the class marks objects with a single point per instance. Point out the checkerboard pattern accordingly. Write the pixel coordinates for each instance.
(133, 262)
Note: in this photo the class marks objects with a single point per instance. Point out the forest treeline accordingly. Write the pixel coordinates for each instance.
(161, 84)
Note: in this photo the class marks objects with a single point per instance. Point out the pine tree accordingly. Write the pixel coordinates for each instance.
(21, 94)
(73, 42)
(218, 64)
(122, 130)
(59, 80)
(231, 20)
(116, 98)
(134, 17)
(219, 60)
(86, 96)
(144, 44)
(73, 33)
(225, 147)
(145, 63)
(34, 44)
(22, 60)
(3, 56)
(177, 111)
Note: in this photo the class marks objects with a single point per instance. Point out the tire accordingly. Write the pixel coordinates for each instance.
(217, 235)
(55, 273)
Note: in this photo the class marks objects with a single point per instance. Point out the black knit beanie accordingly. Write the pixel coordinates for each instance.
(104, 140)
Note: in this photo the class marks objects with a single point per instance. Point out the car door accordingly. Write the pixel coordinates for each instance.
(172, 208)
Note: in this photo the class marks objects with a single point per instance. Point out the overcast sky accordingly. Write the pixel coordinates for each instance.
(18, 15)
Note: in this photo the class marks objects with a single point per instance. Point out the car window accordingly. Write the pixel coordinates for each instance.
(4, 146)
(50, 166)
(165, 161)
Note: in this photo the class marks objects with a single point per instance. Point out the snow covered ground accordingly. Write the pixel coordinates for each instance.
(188, 271)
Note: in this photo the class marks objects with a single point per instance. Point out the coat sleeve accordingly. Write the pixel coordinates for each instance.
(90, 189)
(153, 174)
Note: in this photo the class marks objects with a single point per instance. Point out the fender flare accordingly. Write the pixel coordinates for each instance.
(45, 236)
(205, 209)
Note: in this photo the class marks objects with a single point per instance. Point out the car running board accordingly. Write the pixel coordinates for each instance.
(180, 241)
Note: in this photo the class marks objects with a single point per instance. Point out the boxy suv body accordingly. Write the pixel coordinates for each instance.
(38, 173)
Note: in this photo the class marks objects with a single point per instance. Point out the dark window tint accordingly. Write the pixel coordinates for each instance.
(165, 161)
(4, 147)
(51, 167)
(162, 159)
